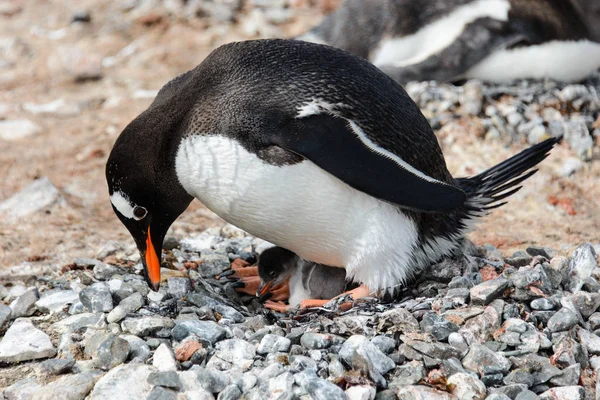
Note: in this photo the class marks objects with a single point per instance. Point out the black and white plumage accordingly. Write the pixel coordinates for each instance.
(307, 280)
(308, 147)
(493, 40)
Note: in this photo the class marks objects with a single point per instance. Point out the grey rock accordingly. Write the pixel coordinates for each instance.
(212, 380)
(543, 304)
(178, 287)
(138, 349)
(568, 377)
(498, 396)
(540, 251)
(146, 325)
(56, 366)
(579, 139)
(358, 346)
(519, 376)
(5, 313)
(272, 371)
(590, 341)
(24, 305)
(320, 389)
(386, 395)
(484, 361)
(408, 374)
(208, 331)
(540, 367)
(23, 342)
(527, 395)
(104, 272)
(231, 392)
(593, 320)
(564, 393)
(112, 352)
(466, 386)
(511, 391)
(233, 352)
(435, 350)
(202, 300)
(79, 321)
(300, 363)
(161, 393)
(581, 265)
(56, 300)
(422, 393)
(384, 343)
(586, 303)
(213, 263)
(40, 195)
(168, 379)
(70, 387)
(487, 291)
(128, 305)
(563, 320)
(397, 320)
(125, 382)
(96, 298)
(312, 340)
(273, 343)
(361, 392)
(438, 326)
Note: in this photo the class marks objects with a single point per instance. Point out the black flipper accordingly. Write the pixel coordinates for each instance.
(478, 40)
(332, 144)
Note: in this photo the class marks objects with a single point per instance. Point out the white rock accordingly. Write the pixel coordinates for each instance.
(422, 393)
(164, 359)
(362, 392)
(18, 129)
(23, 342)
(39, 195)
(57, 107)
(563, 393)
(467, 387)
(233, 352)
(78, 321)
(56, 300)
(70, 387)
(125, 382)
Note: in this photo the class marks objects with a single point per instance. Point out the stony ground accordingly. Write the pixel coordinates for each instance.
(513, 318)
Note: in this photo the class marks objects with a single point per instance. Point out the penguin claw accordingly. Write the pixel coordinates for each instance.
(227, 273)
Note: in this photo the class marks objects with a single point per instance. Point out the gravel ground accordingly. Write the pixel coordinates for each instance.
(514, 318)
(479, 325)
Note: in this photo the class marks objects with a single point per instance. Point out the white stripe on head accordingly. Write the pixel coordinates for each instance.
(122, 204)
(388, 154)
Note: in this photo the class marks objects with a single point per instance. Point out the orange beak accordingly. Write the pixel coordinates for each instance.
(152, 263)
(264, 289)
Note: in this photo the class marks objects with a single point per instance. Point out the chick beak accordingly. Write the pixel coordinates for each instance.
(152, 264)
(264, 288)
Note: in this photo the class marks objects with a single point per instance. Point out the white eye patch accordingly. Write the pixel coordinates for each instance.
(122, 204)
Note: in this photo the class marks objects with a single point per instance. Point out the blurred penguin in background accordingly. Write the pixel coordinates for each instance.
(448, 40)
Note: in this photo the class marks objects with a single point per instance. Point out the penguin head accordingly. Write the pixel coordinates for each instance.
(145, 202)
(275, 265)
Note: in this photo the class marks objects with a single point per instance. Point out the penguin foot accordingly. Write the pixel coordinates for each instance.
(250, 285)
(245, 272)
(277, 306)
(280, 292)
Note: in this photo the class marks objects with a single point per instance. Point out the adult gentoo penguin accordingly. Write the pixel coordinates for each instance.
(307, 147)
(493, 40)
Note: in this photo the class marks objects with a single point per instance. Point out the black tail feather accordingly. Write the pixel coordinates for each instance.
(486, 190)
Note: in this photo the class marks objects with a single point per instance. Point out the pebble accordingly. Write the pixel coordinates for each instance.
(568, 377)
(24, 305)
(484, 361)
(164, 359)
(104, 272)
(23, 341)
(487, 291)
(5, 312)
(234, 352)
(466, 386)
(138, 349)
(320, 389)
(145, 326)
(38, 196)
(56, 366)
(128, 305)
(564, 393)
(161, 393)
(422, 393)
(168, 379)
(208, 331)
(562, 320)
(590, 341)
(581, 265)
(186, 349)
(543, 304)
(111, 352)
(178, 287)
(79, 321)
(410, 373)
(312, 340)
(357, 349)
(361, 392)
(56, 300)
(97, 298)
(438, 326)
(384, 343)
(69, 387)
(273, 343)
(18, 129)
(125, 382)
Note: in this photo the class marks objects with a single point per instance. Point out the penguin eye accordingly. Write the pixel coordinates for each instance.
(139, 212)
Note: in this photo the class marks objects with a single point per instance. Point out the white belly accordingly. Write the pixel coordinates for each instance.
(299, 207)
(564, 61)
